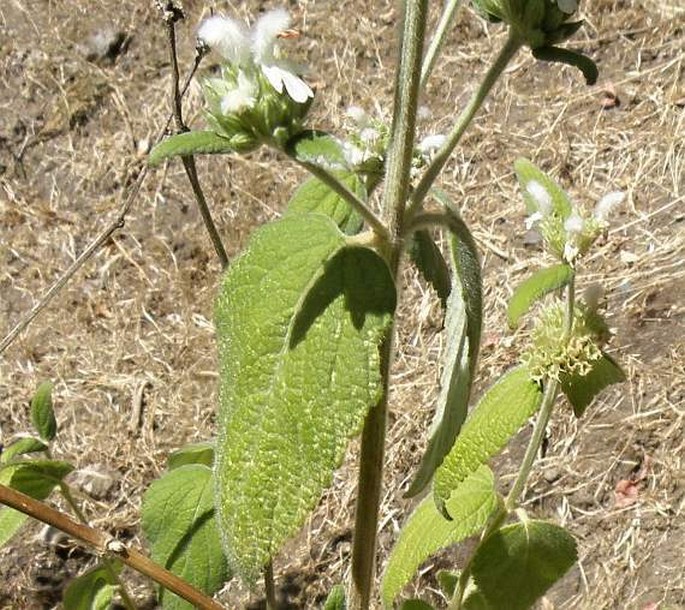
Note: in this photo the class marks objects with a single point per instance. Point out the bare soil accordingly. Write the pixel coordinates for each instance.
(85, 88)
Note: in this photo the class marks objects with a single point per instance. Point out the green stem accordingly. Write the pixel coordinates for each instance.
(331, 181)
(438, 40)
(106, 562)
(505, 55)
(394, 202)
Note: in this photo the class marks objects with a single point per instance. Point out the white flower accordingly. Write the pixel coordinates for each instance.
(542, 198)
(606, 204)
(573, 225)
(568, 6)
(227, 37)
(369, 135)
(281, 73)
(431, 144)
(358, 115)
(242, 97)
(354, 155)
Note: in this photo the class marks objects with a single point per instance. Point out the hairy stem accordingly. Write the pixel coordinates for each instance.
(505, 55)
(394, 203)
(105, 545)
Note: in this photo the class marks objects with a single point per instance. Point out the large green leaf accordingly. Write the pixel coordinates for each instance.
(501, 412)
(463, 323)
(316, 196)
(178, 518)
(518, 563)
(539, 284)
(428, 259)
(37, 479)
(581, 390)
(526, 172)
(93, 590)
(427, 531)
(42, 413)
(190, 143)
(299, 320)
(22, 446)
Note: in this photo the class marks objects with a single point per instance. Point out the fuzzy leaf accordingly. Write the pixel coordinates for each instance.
(427, 531)
(463, 323)
(318, 148)
(527, 172)
(501, 412)
(195, 453)
(299, 321)
(518, 563)
(570, 58)
(22, 446)
(37, 479)
(315, 196)
(539, 284)
(190, 143)
(428, 259)
(178, 518)
(93, 590)
(336, 599)
(581, 391)
(42, 413)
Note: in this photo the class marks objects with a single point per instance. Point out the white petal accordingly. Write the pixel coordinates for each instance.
(607, 203)
(431, 143)
(532, 220)
(266, 31)
(574, 224)
(541, 196)
(357, 114)
(297, 89)
(227, 37)
(274, 75)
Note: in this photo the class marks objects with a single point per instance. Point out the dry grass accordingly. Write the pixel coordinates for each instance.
(134, 327)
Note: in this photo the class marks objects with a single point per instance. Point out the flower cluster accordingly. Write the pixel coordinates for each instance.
(537, 23)
(259, 95)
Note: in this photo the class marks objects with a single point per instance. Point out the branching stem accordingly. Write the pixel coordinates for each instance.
(438, 40)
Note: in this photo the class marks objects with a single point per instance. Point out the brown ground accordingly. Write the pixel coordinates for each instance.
(136, 321)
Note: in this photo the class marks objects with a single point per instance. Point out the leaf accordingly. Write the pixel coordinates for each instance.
(570, 58)
(190, 143)
(463, 323)
(316, 196)
(539, 284)
(178, 518)
(195, 453)
(336, 599)
(42, 413)
(448, 582)
(299, 320)
(318, 148)
(427, 531)
(428, 259)
(22, 446)
(526, 172)
(518, 563)
(93, 590)
(581, 390)
(37, 479)
(501, 412)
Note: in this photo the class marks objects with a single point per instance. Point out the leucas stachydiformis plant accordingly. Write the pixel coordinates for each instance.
(305, 330)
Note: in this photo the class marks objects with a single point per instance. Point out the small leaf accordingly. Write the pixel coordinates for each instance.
(178, 519)
(299, 318)
(316, 196)
(428, 259)
(463, 324)
(336, 599)
(501, 412)
(415, 604)
(539, 284)
(448, 582)
(190, 143)
(581, 391)
(195, 453)
(526, 172)
(318, 148)
(518, 563)
(570, 58)
(42, 413)
(37, 479)
(93, 590)
(427, 531)
(22, 446)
